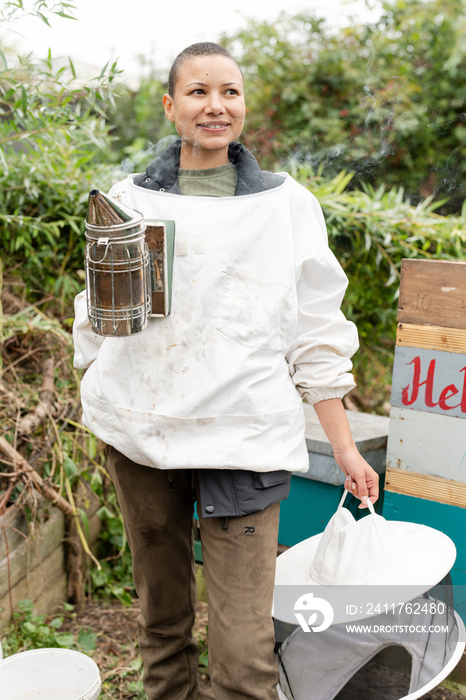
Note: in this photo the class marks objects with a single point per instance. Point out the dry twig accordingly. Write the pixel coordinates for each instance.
(26, 472)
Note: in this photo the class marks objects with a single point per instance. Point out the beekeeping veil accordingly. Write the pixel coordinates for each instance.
(384, 573)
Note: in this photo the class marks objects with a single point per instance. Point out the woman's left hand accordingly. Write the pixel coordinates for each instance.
(361, 479)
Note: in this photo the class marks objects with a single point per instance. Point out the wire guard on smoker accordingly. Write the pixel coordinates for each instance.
(117, 268)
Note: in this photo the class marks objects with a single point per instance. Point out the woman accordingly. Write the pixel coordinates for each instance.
(206, 404)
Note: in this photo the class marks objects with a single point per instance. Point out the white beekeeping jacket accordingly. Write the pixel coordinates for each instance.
(255, 326)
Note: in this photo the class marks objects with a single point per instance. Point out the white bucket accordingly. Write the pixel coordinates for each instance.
(49, 674)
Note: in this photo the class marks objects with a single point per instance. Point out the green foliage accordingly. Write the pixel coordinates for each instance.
(12, 9)
(114, 578)
(113, 681)
(31, 320)
(30, 631)
(138, 122)
(54, 147)
(386, 100)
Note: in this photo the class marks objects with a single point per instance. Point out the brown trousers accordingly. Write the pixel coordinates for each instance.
(239, 566)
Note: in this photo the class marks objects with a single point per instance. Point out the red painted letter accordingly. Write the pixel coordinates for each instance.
(448, 392)
(429, 384)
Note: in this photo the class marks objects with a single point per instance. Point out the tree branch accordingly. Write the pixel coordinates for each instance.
(25, 472)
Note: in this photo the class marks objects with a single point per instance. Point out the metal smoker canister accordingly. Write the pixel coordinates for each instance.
(117, 268)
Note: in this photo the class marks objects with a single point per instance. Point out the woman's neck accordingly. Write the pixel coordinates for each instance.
(194, 158)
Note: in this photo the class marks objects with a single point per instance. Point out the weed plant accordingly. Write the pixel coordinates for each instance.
(29, 631)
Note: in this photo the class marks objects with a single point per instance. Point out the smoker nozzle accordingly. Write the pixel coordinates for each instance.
(104, 211)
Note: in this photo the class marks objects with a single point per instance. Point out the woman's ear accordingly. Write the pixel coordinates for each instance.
(168, 107)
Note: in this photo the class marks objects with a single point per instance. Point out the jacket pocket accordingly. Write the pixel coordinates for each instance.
(264, 480)
(256, 311)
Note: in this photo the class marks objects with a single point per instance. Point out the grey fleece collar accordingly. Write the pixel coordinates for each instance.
(162, 173)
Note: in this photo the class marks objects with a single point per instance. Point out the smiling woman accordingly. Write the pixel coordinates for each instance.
(206, 403)
(208, 108)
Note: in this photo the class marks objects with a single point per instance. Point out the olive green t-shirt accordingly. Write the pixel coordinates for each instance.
(213, 182)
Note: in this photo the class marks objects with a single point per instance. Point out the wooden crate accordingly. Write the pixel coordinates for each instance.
(31, 566)
(32, 559)
(426, 450)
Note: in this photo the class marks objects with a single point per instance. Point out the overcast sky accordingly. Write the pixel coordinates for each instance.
(125, 29)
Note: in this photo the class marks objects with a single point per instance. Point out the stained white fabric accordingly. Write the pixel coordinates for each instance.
(255, 316)
(354, 552)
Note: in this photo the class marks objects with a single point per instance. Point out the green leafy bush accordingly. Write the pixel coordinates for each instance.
(54, 147)
(385, 99)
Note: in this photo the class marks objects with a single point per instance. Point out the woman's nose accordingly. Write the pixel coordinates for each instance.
(214, 104)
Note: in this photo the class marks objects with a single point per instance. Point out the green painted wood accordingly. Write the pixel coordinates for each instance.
(448, 519)
(307, 509)
(198, 551)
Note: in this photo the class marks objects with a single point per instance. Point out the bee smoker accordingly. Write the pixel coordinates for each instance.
(116, 264)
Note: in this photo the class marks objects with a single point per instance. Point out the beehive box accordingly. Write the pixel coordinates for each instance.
(426, 451)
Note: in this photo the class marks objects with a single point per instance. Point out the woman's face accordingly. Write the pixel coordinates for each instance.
(208, 109)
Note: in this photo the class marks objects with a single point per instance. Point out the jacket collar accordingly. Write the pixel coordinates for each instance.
(162, 173)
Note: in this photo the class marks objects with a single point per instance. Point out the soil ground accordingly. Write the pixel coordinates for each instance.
(117, 656)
